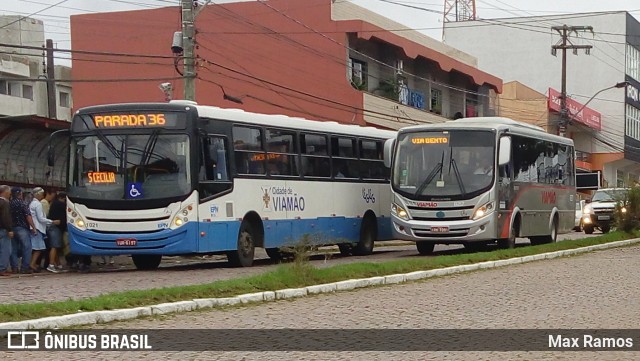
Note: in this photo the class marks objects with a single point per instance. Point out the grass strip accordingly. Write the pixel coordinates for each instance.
(296, 274)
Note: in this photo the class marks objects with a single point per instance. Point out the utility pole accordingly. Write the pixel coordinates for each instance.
(188, 43)
(51, 81)
(563, 45)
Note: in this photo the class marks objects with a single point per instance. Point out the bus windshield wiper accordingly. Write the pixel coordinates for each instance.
(432, 174)
(148, 148)
(456, 171)
(103, 139)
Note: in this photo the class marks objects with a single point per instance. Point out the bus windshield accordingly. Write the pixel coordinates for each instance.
(444, 164)
(132, 166)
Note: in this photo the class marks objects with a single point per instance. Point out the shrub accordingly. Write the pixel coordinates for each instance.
(627, 213)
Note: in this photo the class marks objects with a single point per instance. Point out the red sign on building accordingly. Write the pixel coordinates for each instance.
(586, 116)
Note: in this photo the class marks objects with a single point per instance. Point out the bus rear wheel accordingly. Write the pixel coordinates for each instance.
(146, 261)
(243, 256)
(588, 229)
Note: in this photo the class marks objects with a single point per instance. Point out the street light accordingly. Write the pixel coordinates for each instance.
(621, 84)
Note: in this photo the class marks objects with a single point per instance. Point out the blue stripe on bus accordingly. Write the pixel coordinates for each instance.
(222, 236)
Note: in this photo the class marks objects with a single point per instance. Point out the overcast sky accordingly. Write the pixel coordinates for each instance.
(55, 13)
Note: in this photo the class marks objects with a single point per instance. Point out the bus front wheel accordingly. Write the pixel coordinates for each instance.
(243, 256)
(368, 232)
(425, 247)
(146, 261)
(509, 243)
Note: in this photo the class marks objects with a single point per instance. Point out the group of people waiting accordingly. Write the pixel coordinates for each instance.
(32, 232)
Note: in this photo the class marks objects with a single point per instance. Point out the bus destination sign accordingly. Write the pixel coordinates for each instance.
(101, 177)
(440, 139)
(141, 120)
(130, 120)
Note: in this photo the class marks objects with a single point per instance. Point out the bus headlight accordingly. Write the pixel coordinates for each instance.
(79, 223)
(587, 209)
(183, 216)
(483, 211)
(399, 211)
(623, 210)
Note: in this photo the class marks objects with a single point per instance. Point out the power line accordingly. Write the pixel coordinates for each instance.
(34, 13)
(112, 80)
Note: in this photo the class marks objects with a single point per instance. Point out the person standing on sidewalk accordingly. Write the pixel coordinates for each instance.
(41, 222)
(6, 230)
(57, 212)
(22, 228)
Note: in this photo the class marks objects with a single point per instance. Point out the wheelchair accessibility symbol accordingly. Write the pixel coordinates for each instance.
(134, 190)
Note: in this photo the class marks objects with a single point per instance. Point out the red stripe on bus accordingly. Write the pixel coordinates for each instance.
(507, 223)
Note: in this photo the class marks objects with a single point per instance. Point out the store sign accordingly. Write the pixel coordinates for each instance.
(633, 92)
(577, 112)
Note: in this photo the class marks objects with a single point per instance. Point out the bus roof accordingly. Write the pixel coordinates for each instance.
(278, 120)
(242, 116)
(489, 123)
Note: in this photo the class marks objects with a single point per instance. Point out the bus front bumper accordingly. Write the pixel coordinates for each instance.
(452, 232)
(182, 240)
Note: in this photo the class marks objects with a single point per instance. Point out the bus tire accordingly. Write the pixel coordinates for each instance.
(553, 237)
(606, 229)
(146, 261)
(425, 247)
(510, 243)
(243, 255)
(588, 229)
(368, 230)
(346, 249)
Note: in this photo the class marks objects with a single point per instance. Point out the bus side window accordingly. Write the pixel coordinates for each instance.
(214, 173)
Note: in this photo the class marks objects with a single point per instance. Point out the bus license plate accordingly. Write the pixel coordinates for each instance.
(440, 229)
(126, 242)
(603, 218)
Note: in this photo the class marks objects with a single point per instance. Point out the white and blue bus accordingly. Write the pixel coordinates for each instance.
(154, 179)
(473, 181)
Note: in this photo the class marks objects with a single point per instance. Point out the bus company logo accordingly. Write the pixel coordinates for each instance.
(427, 204)
(368, 195)
(214, 210)
(549, 197)
(266, 198)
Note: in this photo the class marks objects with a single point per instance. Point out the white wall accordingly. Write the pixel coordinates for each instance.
(522, 51)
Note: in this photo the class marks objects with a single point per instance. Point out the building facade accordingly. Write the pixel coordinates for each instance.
(29, 110)
(321, 59)
(519, 49)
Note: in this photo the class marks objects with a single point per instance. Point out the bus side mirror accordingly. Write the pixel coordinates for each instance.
(388, 152)
(51, 158)
(504, 155)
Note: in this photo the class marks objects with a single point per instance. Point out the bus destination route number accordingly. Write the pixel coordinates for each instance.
(130, 120)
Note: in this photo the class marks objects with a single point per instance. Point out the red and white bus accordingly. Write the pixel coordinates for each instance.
(473, 181)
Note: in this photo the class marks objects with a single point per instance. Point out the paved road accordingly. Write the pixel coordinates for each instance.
(177, 271)
(595, 290)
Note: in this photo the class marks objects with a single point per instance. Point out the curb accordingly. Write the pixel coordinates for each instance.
(87, 318)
